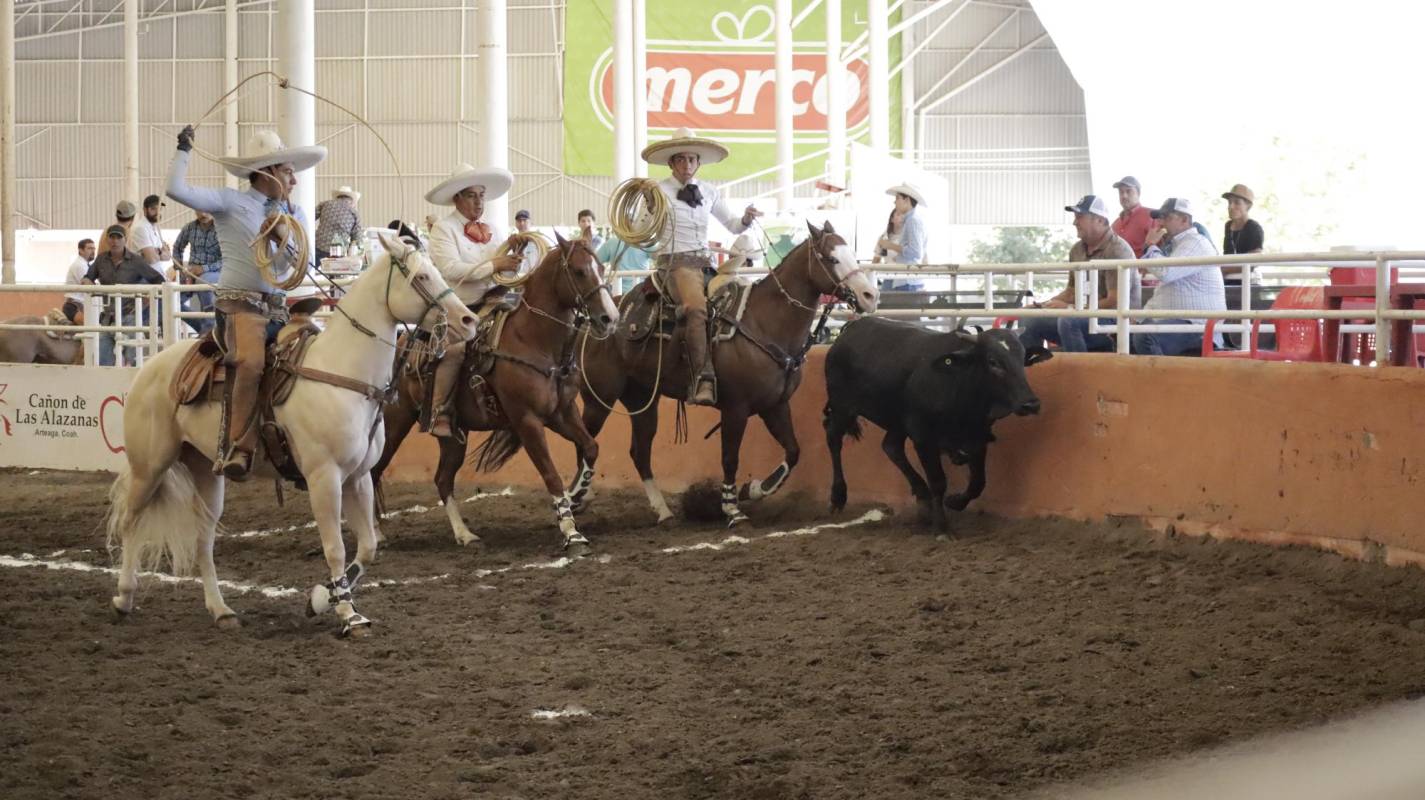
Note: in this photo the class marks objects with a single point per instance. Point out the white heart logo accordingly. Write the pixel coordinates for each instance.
(740, 26)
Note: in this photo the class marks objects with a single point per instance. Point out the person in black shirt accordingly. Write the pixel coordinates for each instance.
(1241, 234)
(118, 265)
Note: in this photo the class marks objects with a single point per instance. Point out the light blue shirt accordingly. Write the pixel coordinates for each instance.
(238, 216)
(912, 240)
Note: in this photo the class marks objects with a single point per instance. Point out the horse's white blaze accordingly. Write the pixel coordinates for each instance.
(859, 283)
(607, 306)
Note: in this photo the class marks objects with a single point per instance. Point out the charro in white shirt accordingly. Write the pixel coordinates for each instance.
(687, 227)
(464, 263)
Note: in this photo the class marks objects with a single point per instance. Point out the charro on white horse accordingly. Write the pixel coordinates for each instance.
(167, 499)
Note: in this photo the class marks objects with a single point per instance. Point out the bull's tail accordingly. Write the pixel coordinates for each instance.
(853, 425)
(498, 448)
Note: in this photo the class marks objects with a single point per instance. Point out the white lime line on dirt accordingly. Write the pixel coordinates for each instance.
(28, 560)
(415, 509)
(874, 515)
(560, 713)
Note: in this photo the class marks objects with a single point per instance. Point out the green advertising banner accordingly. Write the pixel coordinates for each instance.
(710, 68)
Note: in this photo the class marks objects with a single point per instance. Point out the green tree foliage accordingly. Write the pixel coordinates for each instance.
(1022, 245)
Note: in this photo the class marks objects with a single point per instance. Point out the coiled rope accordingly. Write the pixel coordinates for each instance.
(295, 235)
(516, 246)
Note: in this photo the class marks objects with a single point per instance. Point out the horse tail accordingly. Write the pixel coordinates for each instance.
(159, 517)
(497, 448)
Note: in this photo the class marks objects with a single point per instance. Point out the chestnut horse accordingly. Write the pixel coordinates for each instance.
(757, 370)
(533, 383)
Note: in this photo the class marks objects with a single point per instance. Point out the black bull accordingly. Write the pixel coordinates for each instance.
(943, 391)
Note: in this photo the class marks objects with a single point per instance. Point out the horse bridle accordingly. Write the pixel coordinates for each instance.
(581, 301)
(827, 264)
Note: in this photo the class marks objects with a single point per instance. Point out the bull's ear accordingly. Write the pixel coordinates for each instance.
(1036, 355)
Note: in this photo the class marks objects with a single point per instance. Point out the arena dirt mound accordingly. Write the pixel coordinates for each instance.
(702, 502)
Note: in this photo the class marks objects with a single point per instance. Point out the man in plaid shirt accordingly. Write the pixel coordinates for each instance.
(336, 218)
(1193, 288)
(199, 239)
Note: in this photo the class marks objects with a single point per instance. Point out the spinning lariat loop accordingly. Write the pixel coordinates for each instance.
(294, 236)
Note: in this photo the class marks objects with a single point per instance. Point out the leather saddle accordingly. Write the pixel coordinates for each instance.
(202, 375)
(649, 310)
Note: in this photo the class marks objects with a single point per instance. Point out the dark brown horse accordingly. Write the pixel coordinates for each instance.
(757, 370)
(530, 387)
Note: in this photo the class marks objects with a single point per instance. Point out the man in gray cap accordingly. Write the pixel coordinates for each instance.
(1097, 241)
(1197, 288)
(1133, 221)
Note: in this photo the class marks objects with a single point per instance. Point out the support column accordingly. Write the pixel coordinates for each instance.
(230, 79)
(835, 98)
(785, 119)
(910, 142)
(494, 106)
(131, 102)
(879, 48)
(623, 89)
(7, 140)
(640, 86)
(297, 119)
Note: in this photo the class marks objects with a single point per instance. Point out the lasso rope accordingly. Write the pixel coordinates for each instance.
(638, 213)
(295, 232)
(516, 246)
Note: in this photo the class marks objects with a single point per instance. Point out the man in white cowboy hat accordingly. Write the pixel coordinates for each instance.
(249, 309)
(686, 255)
(462, 248)
(904, 240)
(337, 221)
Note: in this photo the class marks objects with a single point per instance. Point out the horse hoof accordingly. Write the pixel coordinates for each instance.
(577, 548)
(356, 627)
(319, 600)
(229, 622)
(120, 607)
(737, 519)
(468, 541)
(957, 502)
(665, 520)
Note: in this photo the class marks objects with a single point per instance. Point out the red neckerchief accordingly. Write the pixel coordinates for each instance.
(477, 231)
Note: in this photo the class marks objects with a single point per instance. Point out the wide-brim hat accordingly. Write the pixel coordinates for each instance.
(496, 180)
(744, 247)
(684, 141)
(1240, 190)
(346, 191)
(265, 149)
(909, 191)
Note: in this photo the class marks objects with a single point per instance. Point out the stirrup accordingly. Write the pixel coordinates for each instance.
(236, 465)
(704, 391)
(436, 425)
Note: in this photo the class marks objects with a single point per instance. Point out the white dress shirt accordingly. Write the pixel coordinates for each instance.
(461, 261)
(687, 228)
(77, 270)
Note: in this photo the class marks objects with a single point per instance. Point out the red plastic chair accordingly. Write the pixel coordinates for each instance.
(1297, 339)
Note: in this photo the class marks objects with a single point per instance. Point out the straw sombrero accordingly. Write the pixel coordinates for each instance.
(683, 141)
(346, 191)
(497, 182)
(265, 149)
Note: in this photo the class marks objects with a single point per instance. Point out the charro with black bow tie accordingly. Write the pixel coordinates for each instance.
(691, 202)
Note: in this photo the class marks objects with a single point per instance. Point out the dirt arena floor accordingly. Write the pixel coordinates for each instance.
(864, 661)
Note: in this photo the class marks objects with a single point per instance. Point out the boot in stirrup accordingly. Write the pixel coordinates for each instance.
(704, 391)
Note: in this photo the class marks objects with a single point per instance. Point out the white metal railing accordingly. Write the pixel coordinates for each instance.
(146, 318)
(150, 333)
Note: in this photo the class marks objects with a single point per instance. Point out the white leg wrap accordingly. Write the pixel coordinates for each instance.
(756, 490)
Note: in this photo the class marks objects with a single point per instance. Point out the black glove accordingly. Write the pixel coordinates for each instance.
(185, 138)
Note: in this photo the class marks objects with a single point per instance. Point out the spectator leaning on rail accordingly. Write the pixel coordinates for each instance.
(74, 301)
(905, 240)
(1097, 242)
(250, 310)
(337, 219)
(1193, 288)
(116, 266)
(199, 239)
(1133, 221)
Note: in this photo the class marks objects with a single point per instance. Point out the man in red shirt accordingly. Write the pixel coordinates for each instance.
(1134, 221)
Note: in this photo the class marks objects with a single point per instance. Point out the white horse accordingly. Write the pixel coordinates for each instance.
(167, 499)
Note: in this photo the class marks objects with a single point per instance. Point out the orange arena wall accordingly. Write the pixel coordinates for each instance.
(1315, 454)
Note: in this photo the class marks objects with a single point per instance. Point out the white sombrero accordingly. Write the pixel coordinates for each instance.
(265, 149)
(497, 182)
(909, 191)
(346, 191)
(743, 248)
(683, 141)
